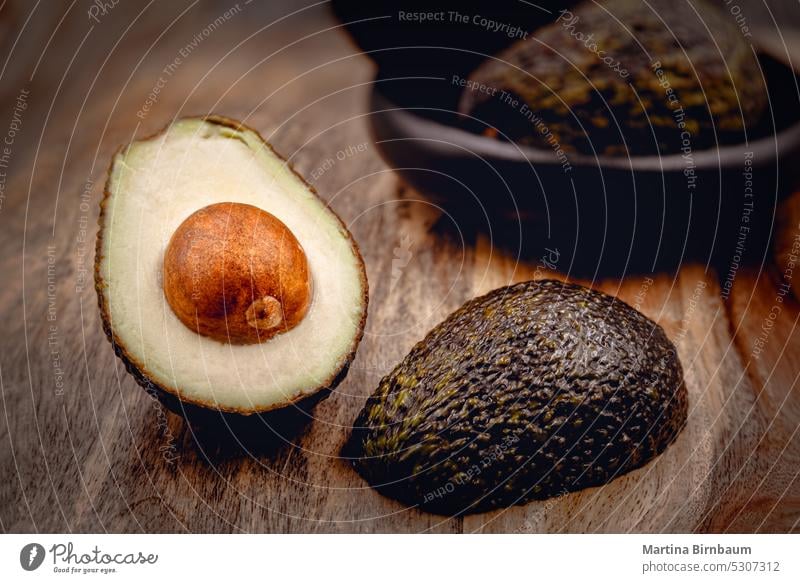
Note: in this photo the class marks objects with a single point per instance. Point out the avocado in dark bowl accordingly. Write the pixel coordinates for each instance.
(604, 209)
(610, 214)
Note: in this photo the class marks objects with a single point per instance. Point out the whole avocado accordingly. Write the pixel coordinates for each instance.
(528, 392)
(621, 77)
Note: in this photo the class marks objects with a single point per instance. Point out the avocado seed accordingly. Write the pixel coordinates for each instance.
(237, 274)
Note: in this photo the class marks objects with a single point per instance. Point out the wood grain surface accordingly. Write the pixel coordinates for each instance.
(84, 449)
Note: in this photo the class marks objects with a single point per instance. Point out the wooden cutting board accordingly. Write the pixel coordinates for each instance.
(85, 449)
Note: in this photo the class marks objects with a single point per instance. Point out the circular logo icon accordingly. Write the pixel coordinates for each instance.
(31, 556)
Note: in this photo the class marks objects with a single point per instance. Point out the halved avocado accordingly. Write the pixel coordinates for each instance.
(223, 280)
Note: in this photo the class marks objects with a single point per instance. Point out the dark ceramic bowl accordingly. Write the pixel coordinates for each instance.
(604, 213)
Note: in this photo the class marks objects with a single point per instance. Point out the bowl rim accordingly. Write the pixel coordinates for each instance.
(765, 150)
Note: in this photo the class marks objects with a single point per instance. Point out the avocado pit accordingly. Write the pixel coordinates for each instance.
(235, 273)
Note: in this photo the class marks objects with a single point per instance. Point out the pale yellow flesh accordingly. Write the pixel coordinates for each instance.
(154, 186)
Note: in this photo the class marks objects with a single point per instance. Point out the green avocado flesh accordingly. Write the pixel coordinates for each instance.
(154, 185)
(623, 77)
(529, 392)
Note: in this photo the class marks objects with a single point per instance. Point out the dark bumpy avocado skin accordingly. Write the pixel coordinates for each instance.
(558, 73)
(528, 392)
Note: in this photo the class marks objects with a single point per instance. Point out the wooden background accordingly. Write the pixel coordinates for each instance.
(83, 448)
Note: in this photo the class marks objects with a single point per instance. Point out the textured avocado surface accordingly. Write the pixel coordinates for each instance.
(528, 392)
(624, 76)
